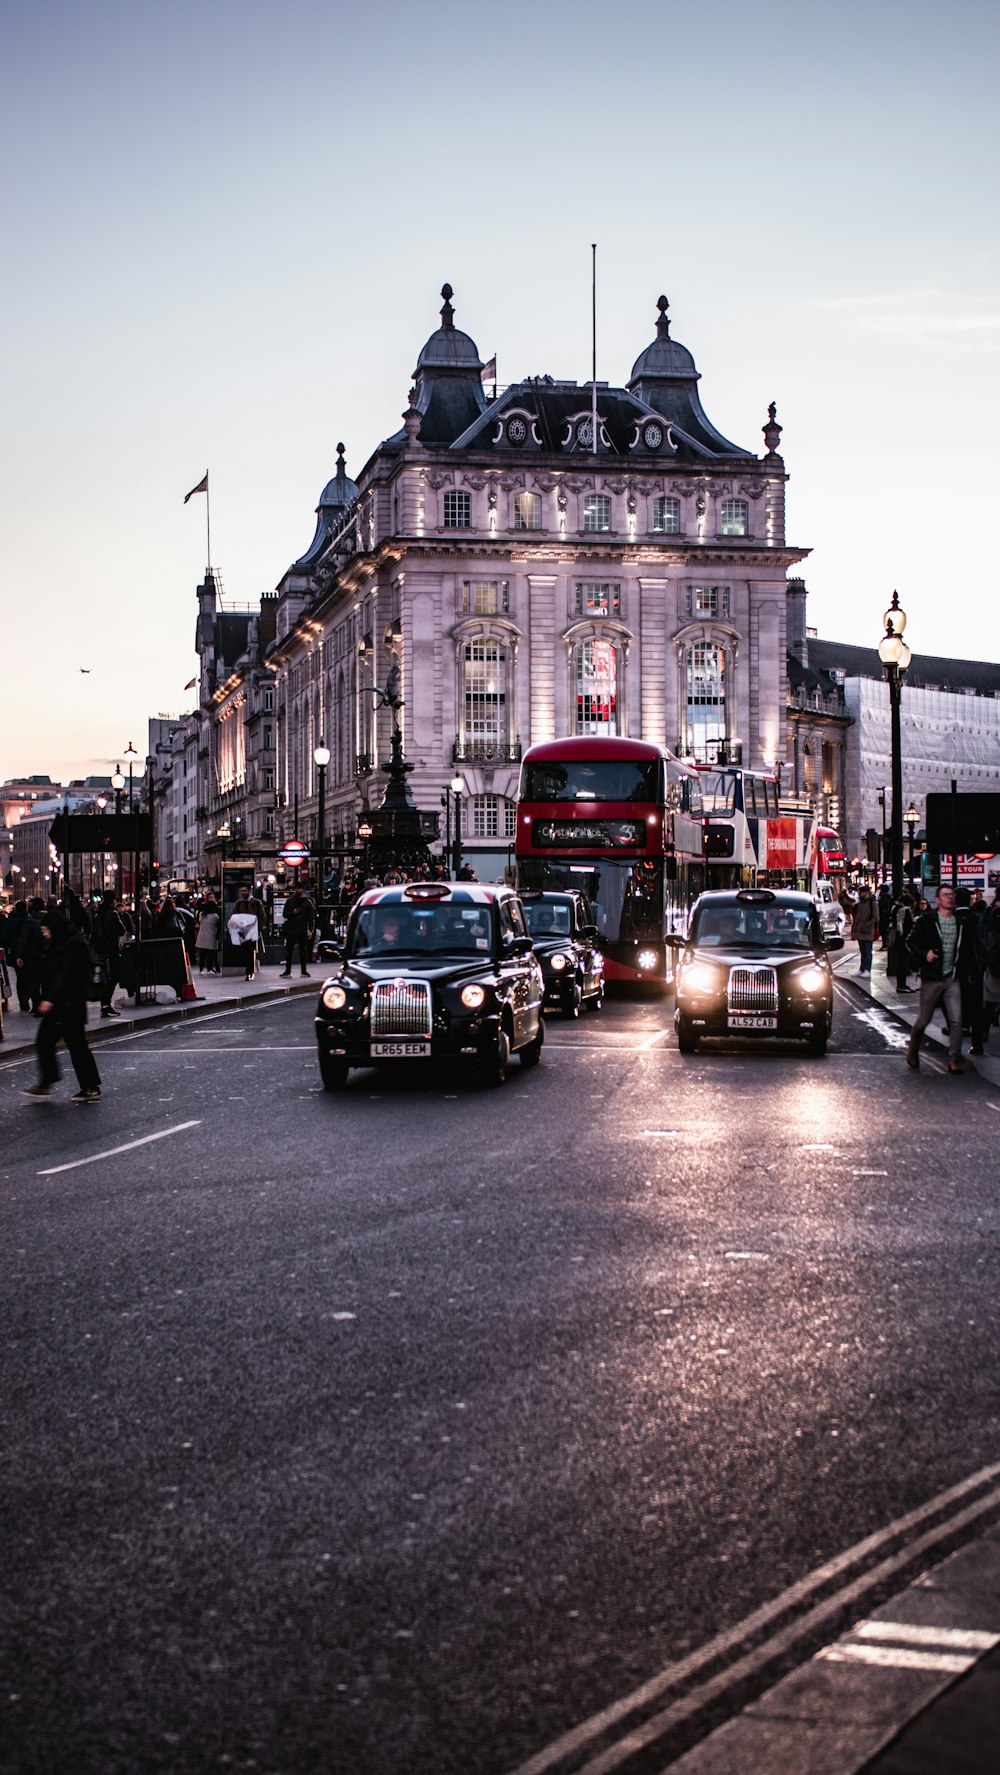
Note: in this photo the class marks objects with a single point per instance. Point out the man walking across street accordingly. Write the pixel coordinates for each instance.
(936, 944)
(68, 972)
(298, 926)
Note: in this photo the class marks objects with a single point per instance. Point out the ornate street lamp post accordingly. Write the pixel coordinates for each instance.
(912, 819)
(364, 834)
(321, 758)
(895, 657)
(457, 785)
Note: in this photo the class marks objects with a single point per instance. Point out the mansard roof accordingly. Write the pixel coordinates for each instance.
(553, 412)
(927, 671)
(665, 376)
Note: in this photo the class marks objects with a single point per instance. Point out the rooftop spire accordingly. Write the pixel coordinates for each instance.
(663, 324)
(447, 312)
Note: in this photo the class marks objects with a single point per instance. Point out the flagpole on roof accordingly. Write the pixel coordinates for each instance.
(593, 339)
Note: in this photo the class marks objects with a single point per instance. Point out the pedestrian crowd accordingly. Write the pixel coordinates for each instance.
(952, 945)
(58, 956)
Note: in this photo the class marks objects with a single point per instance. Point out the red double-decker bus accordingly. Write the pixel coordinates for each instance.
(620, 820)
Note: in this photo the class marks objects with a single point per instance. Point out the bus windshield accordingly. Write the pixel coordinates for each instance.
(626, 898)
(591, 779)
(718, 793)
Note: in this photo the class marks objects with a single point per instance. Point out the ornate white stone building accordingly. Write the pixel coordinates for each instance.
(535, 577)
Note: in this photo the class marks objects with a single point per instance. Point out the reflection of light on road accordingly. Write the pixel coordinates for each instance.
(884, 1026)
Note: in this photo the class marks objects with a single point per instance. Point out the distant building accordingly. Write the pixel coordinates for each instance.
(949, 721)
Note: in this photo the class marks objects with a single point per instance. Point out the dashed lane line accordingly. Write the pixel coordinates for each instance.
(113, 1151)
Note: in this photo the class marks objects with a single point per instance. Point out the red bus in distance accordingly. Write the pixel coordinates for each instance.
(620, 820)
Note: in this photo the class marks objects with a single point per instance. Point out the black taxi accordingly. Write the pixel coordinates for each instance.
(754, 964)
(562, 928)
(432, 970)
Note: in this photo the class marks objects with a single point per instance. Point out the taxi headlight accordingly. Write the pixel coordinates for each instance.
(811, 980)
(697, 977)
(560, 961)
(647, 958)
(334, 998)
(472, 997)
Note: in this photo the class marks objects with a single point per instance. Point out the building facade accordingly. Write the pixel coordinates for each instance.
(556, 558)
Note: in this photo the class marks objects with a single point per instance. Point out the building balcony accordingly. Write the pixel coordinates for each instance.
(486, 752)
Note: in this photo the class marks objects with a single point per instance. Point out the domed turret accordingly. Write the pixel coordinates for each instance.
(448, 391)
(337, 495)
(448, 349)
(341, 491)
(664, 376)
(665, 357)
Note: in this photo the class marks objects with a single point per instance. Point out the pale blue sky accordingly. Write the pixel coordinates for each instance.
(225, 228)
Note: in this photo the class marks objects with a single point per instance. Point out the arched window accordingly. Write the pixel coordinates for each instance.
(597, 512)
(485, 736)
(667, 516)
(596, 687)
(706, 699)
(734, 518)
(527, 511)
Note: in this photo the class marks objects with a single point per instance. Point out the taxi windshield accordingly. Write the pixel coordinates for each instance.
(752, 927)
(422, 929)
(548, 918)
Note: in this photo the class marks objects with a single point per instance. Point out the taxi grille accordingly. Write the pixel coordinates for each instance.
(754, 989)
(401, 1007)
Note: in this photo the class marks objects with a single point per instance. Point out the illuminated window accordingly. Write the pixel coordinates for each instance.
(734, 518)
(457, 511)
(485, 597)
(485, 701)
(598, 599)
(667, 515)
(706, 699)
(597, 512)
(527, 511)
(596, 687)
(708, 601)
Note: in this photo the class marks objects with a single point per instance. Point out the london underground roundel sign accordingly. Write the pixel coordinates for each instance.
(294, 853)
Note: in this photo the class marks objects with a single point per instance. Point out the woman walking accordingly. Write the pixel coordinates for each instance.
(68, 973)
(206, 944)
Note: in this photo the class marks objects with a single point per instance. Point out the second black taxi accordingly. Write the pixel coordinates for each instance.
(564, 933)
(432, 971)
(754, 964)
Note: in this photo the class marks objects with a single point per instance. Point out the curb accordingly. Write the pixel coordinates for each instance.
(190, 1008)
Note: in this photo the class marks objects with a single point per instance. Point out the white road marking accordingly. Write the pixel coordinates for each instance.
(651, 1040)
(869, 1173)
(113, 1151)
(580, 1738)
(653, 1132)
(898, 1658)
(907, 1633)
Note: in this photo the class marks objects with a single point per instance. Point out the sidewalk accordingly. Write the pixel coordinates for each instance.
(216, 992)
(881, 990)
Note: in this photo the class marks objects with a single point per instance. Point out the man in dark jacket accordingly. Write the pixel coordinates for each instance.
(29, 958)
(69, 971)
(107, 940)
(936, 947)
(298, 925)
(987, 930)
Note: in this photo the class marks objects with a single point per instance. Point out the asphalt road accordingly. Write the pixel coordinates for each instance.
(400, 1431)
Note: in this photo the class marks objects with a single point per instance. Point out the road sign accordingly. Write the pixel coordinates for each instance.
(294, 853)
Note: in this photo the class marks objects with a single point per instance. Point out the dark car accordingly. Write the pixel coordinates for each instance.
(754, 964)
(563, 931)
(432, 971)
